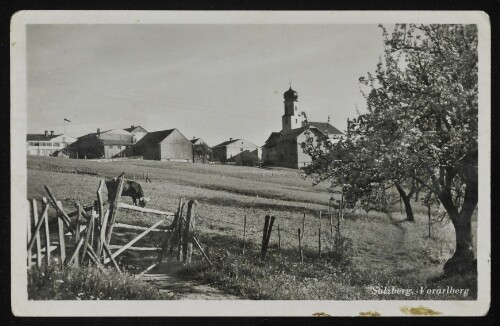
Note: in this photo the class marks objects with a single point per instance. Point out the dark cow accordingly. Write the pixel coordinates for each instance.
(130, 189)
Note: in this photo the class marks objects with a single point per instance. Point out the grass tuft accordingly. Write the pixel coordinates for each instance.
(87, 283)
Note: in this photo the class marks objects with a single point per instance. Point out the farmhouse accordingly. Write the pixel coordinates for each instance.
(106, 144)
(46, 144)
(165, 145)
(283, 148)
(236, 151)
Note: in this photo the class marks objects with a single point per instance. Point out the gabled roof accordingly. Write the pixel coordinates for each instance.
(275, 137)
(325, 127)
(271, 141)
(40, 137)
(227, 142)
(292, 134)
(130, 129)
(154, 137)
(198, 141)
(93, 134)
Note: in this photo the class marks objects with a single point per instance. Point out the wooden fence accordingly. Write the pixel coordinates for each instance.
(92, 229)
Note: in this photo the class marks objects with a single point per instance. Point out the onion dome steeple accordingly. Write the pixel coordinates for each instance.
(290, 94)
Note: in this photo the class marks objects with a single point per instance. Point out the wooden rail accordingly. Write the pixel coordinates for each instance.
(144, 210)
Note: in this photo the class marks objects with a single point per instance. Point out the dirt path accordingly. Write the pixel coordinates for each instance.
(165, 278)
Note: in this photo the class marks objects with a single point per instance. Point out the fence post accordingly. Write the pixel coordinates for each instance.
(37, 236)
(264, 234)
(188, 232)
(279, 237)
(303, 225)
(268, 236)
(113, 210)
(180, 232)
(62, 245)
(320, 219)
(103, 220)
(78, 220)
(331, 226)
(300, 247)
(29, 233)
(77, 231)
(100, 203)
(87, 237)
(244, 234)
(47, 232)
(319, 243)
(168, 243)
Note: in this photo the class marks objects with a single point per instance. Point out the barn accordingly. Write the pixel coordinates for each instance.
(106, 144)
(165, 145)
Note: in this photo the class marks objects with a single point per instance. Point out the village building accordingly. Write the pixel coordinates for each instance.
(106, 144)
(47, 144)
(283, 148)
(137, 132)
(238, 151)
(165, 145)
(202, 152)
(198, 141)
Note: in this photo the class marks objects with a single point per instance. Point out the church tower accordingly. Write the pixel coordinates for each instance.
(291, 119)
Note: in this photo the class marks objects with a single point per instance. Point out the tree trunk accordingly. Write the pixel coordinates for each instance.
(463, 258)
(406, 200)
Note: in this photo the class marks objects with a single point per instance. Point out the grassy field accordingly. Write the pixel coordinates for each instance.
(386, 250)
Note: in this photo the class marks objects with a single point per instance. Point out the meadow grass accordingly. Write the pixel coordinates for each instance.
(88, 283)
(386, 250)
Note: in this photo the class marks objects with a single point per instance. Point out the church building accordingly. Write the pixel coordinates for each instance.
(283, 148)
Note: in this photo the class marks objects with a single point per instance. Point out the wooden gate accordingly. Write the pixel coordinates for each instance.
(93, 231)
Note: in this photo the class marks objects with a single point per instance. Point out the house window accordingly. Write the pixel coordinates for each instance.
(295, 120)
(56, 144)
(241, 149)
(111, 146)
(119, 146)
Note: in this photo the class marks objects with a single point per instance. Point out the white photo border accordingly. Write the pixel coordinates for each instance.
(21, 306)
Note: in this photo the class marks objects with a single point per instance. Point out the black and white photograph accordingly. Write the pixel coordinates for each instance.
(250, 163)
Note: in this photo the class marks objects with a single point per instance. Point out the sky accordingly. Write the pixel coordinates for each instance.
(210, 81)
